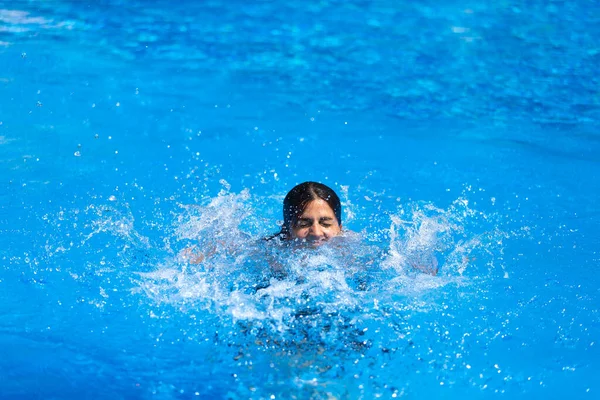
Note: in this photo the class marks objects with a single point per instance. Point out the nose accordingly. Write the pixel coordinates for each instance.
(316, 231)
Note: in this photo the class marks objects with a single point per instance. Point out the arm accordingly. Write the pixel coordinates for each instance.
(427, 268)
(191, 255)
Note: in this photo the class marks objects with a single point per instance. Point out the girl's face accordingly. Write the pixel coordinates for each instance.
(316, 224)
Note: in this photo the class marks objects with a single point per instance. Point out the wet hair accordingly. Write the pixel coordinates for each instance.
(299, 197)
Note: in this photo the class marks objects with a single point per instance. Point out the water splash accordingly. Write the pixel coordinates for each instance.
(305, 315)
(230, 269)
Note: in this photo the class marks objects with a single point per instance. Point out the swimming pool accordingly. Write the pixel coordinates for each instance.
(464, 131)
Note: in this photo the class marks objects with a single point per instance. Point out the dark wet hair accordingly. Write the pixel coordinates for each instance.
(297, 199)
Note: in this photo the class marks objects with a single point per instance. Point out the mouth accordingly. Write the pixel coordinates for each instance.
(310, 243)
(316, 243)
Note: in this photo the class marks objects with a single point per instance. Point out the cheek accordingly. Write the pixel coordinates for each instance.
(299, 233)
(333, 231)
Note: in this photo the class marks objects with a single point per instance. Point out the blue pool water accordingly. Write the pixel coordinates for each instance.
(462, 133)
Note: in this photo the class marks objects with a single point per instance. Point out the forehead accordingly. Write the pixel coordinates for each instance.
(317, 208)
